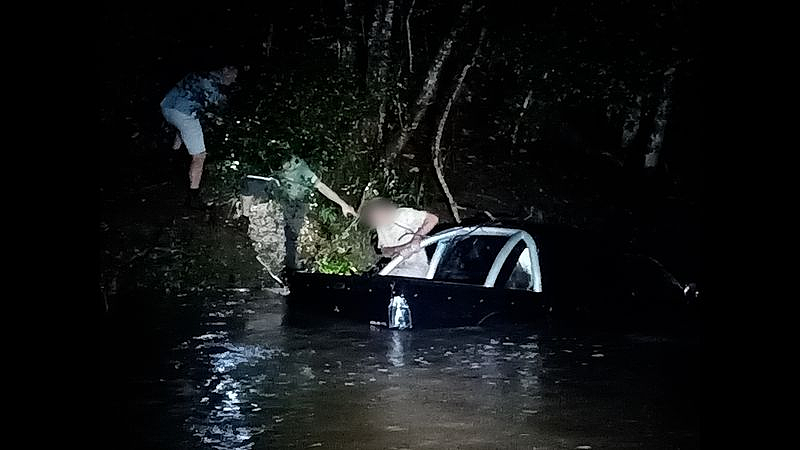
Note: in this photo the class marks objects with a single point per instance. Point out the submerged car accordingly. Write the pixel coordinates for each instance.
(487, 274)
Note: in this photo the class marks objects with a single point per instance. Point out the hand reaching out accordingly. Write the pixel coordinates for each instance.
(348, 210)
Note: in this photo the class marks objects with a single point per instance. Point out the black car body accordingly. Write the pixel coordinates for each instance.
(489, 274)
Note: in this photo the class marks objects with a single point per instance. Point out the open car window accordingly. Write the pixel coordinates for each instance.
(469, 258)
(518, 265)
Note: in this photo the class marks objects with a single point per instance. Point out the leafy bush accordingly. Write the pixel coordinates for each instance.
(330, 243)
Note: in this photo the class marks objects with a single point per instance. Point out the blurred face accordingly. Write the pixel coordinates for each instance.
(229, 75)
(379, 217)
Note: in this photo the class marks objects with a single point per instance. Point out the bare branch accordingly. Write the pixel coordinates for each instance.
(660, 121)
(521, 114)
(436, 148)
(430, 86)
(268, 43)
(408, 35)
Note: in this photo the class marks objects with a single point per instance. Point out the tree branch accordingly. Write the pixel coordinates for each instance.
(436, 148)
(429, 88)
(521, 114)
(408, 36)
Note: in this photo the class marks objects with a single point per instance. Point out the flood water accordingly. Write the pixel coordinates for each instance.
(219, 370)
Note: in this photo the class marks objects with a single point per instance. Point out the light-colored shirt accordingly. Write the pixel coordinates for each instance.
(400, 232)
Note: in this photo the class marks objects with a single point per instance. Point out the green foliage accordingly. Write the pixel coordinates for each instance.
(318, 117)
(331, 243)
(327, 216)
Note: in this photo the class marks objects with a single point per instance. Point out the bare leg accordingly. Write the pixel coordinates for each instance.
(178, 141)
(196, 170)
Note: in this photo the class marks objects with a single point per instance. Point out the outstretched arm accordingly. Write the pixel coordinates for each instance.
(334, 197)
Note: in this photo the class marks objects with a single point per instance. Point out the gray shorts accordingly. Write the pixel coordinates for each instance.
(189, 127)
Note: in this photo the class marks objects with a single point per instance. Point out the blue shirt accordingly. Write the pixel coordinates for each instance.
(194, 93)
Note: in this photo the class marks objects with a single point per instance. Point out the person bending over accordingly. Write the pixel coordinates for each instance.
(182, 107)
(296, 182)
(400, 231)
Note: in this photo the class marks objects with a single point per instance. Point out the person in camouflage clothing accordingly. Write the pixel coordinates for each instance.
(291, 185)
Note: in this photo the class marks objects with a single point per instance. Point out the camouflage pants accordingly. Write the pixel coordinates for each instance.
(294, 214)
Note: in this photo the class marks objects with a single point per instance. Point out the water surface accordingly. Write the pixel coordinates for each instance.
(219, 370)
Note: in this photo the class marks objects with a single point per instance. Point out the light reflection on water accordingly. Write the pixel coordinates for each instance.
(259, 384)
(395, 353)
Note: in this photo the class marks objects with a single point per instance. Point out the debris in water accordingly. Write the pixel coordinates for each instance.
(239, 289)
(280, 290)
(211, 336)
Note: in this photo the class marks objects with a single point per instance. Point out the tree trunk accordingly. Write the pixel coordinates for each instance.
(429, 88)
(349, 36)
(379, 48)
(630, 127)
(379, 44)
(656, 140)
(268, 43)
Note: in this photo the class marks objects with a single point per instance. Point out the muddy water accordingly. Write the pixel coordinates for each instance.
(218, 370)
